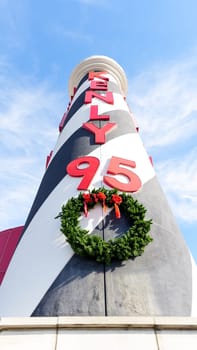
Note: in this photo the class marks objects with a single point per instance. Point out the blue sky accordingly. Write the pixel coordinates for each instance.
(156, 44)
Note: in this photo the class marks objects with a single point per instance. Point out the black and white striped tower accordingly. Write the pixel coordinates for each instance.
(45, 277)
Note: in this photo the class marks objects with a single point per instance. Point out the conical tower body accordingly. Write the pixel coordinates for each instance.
(98, 146)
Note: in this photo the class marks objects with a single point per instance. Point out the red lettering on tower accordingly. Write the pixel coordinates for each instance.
(48, 159)
(73, 169)
(99, 75)
(61, 125)
(98, 85)
(108, 98)
(99, 132)
(117, 167)
(94, 114)
(151, 160)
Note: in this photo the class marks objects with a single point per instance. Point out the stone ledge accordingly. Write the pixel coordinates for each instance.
(157, 323)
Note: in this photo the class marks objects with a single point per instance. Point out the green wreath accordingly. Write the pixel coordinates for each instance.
(129, 245)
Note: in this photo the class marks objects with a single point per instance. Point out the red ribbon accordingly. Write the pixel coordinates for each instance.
(87, 199)
(85, 207)
(117, 201)
(102, 197)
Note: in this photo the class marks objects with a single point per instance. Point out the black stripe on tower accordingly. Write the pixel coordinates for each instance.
(80, 143)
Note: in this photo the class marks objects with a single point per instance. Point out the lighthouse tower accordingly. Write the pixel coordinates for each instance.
(99, 147)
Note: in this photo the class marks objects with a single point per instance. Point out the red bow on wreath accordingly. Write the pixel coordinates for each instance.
(100, 196)
(117, 201)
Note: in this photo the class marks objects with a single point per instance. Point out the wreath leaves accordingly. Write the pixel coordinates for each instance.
(130, 245)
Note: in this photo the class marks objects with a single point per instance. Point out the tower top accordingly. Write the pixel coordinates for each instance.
(102, 63)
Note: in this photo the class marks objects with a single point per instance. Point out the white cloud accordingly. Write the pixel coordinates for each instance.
(29, 115)
(179, 178)
(164, 103)
(13, 23)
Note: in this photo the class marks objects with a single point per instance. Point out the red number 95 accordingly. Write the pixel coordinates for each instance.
(116, 167)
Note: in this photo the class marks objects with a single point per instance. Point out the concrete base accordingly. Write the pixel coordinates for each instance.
(85, 333)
